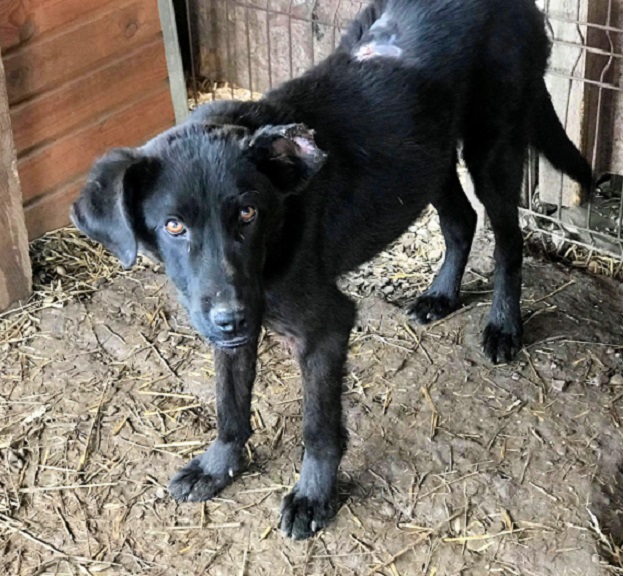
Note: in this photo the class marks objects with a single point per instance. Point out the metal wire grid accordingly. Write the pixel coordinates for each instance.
(257, 44)
(292, 34)
(597, 38)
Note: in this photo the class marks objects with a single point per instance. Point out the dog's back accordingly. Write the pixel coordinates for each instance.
(450, 37)
(491, 53)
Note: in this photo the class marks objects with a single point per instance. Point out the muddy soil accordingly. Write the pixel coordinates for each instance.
(454, 467)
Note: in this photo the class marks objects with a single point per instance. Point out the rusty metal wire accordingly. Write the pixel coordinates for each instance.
(256, 44)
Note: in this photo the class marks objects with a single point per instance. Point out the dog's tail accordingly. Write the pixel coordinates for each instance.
(550, 139)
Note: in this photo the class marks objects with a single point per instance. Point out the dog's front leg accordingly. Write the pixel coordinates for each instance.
(207, 474)
(312, 502)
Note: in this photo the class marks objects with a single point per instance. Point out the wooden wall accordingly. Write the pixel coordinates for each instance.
(81, 76)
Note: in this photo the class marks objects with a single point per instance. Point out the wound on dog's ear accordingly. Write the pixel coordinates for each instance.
(105, 210)
(288, 155)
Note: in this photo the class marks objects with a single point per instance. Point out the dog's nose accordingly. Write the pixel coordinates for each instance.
(229, 321)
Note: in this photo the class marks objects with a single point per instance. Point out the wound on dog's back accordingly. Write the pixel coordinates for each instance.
(381, 40)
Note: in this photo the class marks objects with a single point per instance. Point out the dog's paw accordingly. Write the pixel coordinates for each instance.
(500, 344)
(193, 484)
(302, 517)
(431, 307)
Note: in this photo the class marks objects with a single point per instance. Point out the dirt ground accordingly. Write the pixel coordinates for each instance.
(454, 467)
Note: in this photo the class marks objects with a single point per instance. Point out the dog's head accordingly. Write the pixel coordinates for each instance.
(204, 200)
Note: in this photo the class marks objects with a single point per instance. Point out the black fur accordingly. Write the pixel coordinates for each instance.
(410, 80)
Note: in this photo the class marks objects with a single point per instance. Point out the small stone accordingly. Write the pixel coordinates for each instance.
(387, 510)
(515, 376)
(160, 493)
(435, 254)
(599, 379)
(176, 339)
(388, 289)
(609, 351)
(560, 450)
(457, 525)
(616, 380)
(162, 337)
(559, 385)
(60, 270)
(14, 460)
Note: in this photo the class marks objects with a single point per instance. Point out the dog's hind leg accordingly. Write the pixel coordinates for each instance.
(458, 224)
(325, 328)
(497, 172)
(207, 474)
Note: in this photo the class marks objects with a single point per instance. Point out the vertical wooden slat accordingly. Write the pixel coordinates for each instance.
(15, 271)
(174, 60)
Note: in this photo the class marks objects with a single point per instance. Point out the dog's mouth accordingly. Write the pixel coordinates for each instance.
(233, 343)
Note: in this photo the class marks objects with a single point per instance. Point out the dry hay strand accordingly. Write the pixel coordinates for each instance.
(611, 552)
(576, 256)
(210, 91)
(66, 265)
(593, 262)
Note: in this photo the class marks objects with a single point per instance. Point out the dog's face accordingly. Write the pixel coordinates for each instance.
(205, 200)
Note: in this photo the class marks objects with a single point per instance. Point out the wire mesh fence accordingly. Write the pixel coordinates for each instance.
(241, 48)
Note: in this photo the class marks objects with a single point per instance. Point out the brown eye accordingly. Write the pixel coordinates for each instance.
(248, 214)
(175, 227)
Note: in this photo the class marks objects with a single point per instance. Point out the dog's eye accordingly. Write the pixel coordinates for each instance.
(175, 227)
(248, 214)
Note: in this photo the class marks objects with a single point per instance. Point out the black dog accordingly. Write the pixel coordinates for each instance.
(257, 208)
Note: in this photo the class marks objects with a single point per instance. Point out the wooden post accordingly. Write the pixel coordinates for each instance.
(15, 271)
(174, 60)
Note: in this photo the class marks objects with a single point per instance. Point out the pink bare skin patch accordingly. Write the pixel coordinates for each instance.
(306, 146)
(374, 50)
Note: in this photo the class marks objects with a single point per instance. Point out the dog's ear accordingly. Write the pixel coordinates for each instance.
(288, 155)
(108, 207)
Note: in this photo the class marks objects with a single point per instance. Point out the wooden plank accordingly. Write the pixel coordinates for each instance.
(24, 21)
(55, 113)
(177, 82)
(51, 211)
(43, 65)
(15, 271)
(51, 166)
